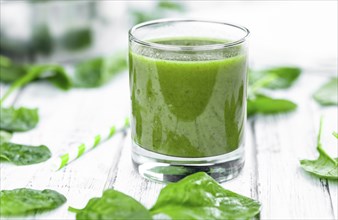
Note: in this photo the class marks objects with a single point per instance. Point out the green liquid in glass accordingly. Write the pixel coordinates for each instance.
(189, 108)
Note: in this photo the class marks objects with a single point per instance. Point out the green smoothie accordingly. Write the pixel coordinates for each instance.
(188, 105)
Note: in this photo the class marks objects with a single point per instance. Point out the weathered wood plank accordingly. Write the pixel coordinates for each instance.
(68, 118)
(286, 191)
(130, 182)
(330, 144)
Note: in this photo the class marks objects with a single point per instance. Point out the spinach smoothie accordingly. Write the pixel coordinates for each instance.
(190, 105)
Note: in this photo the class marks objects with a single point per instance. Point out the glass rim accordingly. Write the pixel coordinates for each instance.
(132, 37)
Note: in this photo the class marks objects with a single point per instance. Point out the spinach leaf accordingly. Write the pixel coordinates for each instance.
(10, 71)
(161, 9)
(77, 39)
(274, 78)
(21, 119)
(19, 154)
(335, 134)
(98, 71)
(199, 196)
(327, 94)
(5, 136)
(42, 40)
(112, 205)
(170, 5)
(23, 201)
(139, 16)
(324, 166)
(265, 105)
(53, 73)
(284, 77)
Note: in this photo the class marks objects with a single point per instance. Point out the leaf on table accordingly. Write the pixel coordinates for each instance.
(42, 40)
(23, 201)
(112, 205)
(161, 9)
(98, 71)
(20, 154)
(77, 38)
(327, 94)
(335, 134)
(266, 105)
(284, 76)
(5, 136)
(139, 16)
(21, 119)
(55, 74)
(51, 72)
(324, 166)
(10, 71)
(170, 5)
(199, 196)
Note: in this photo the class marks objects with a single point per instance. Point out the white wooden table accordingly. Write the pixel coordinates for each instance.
(274, 144)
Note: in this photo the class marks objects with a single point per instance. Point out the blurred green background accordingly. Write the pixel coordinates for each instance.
(51, 30)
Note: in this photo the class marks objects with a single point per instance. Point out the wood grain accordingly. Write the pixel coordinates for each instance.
(274, 146)
(285, 190)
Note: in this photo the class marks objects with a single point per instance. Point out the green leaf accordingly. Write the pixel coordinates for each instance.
(21, 119)
(198, 196)
(19, 154)
(112, 205)
(53, 73)
(42, 40)
(284, 77)
(139, 16)
(162, 9)
(170, 5)
(324, 166)
(327, 94)
(19, 202)
(273, 78)
(10, 71)
(5, 136)
(335, 134)
(265, 105)
(96, 72)
(77, 39)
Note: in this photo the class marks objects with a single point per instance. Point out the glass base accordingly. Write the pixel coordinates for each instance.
(162, 168)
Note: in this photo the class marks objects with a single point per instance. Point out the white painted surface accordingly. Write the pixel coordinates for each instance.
(274, 144)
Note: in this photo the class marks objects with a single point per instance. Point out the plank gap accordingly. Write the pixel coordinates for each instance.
(325, 185)
(112, 173)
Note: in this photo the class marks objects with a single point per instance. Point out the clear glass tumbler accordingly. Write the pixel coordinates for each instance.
(188, 83)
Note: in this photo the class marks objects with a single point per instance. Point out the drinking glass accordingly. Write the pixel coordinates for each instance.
(188, 84)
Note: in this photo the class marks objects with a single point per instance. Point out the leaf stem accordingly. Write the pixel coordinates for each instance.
(20, 83)
(261, 83)
(72, 209)
(320, 132)
(319, 144)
